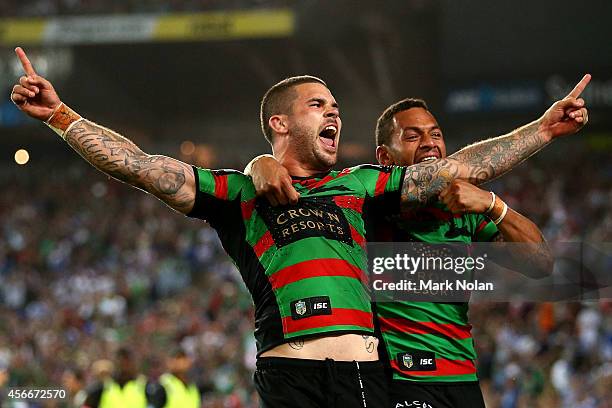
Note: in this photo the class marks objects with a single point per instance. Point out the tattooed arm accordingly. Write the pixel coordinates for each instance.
(170, 180)
(476, 164)
(532, 257)
(486, 160)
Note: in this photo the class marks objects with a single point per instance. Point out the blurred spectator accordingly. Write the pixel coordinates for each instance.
(174, 388)
(81, 275)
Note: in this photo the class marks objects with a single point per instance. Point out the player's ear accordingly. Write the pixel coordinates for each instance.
(383, 156)
(278, 124)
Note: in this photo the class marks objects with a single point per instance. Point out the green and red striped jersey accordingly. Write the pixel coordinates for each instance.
(435, 333)
(305, 264)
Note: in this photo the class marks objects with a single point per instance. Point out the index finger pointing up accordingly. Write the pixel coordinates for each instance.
(25, 62)
(580, 86)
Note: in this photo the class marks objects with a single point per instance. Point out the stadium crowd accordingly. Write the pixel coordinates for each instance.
(88, 265)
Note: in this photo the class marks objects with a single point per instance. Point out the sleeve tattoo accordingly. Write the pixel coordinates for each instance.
(477, 163)
(170, 180)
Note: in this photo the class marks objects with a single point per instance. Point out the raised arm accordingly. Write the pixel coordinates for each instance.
(170, 180)
(486, 160)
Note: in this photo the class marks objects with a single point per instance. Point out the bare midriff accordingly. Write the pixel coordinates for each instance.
(345, 347)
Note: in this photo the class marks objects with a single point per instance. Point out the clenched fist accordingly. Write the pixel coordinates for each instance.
(462, 197)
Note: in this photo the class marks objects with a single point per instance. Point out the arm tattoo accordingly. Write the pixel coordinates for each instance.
(370, 343)
(297, 345)
(532, 259)
(168, 179)
(477, 163)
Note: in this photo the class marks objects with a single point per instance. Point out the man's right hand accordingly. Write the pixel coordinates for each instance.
(34, 95)
(273, 181)
(567, 116)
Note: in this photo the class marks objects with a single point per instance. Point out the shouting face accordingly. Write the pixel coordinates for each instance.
(314, 126)
(416, 138)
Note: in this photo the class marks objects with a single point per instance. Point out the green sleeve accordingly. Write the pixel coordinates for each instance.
(483, 229)
(379, 180)
(216, 190)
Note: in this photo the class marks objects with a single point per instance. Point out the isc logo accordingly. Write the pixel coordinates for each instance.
(426, 361)
(319, 305)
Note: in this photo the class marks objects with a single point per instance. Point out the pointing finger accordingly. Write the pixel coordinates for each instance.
(25, 62)
(580, 86)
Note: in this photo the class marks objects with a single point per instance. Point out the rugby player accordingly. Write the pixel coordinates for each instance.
(408, 133)
(438, 333)
(305, 267)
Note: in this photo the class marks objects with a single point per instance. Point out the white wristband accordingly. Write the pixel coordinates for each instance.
(492, 203)
(503, 214)
(63, 119)
(53, 113)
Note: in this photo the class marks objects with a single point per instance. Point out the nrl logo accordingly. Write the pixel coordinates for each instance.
(407, 360)
(300, 307)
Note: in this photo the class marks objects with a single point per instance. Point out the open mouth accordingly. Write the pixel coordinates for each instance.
(429, 157)
(328, 136)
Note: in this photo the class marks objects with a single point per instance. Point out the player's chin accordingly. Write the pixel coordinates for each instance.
(327, 157)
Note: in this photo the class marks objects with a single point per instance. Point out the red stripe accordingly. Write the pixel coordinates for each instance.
(264, 243)
(321, 182)
(443, 367)
(481, 226)
(381, 183)
(338, 317)
(247, 208)
(345, 172)
(357, 237)
(312, 183)
(350, 202)
(314, 268)
(220, 186)
(454, 331)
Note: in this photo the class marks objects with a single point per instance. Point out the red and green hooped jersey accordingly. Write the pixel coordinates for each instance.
(435, 333)
(305, 264)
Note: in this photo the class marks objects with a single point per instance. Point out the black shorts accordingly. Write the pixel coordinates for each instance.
(405, 394)
(297, 383)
